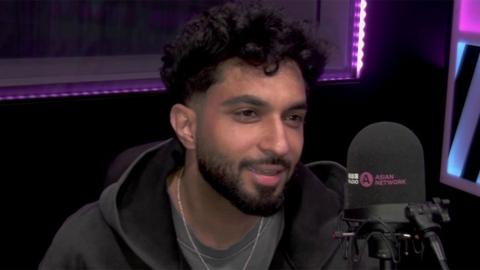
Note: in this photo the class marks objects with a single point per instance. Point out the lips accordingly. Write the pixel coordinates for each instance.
(267, 174)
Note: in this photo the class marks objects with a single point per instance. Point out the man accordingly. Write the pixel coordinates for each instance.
(228, 192)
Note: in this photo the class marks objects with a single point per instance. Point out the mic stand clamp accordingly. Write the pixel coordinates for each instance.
(424, 216)
(385, 226)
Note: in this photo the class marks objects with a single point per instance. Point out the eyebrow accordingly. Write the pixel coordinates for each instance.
(252, 100)
(248, 99)
(298, 106)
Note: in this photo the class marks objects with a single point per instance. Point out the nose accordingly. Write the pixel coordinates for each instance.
(275, 139)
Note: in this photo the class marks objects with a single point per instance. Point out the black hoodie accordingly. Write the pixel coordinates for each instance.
(131, 226)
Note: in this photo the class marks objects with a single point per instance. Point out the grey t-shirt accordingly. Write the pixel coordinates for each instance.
(236, 255)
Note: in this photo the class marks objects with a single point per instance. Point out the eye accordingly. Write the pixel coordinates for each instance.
(295, 119)
(246, 115)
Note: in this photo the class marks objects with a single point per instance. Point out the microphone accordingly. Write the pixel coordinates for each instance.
(385, 193)
(385, 166)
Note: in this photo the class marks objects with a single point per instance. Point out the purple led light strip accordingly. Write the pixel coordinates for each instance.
(78, 94)
(81, 89)
(358, 45)
(359, 35)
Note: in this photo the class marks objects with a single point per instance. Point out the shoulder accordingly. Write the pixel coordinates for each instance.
(321, 182)
(87, 219)
(82, 235)
(332, 174)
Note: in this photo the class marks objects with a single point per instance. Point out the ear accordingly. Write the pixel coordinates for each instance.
(183, 121)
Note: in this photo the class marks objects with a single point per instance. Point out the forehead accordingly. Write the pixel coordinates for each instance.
(236, 78)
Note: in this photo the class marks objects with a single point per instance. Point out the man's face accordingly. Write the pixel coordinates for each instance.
(250, 134)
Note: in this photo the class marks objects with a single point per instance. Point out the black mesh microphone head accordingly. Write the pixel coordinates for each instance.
(385, 166)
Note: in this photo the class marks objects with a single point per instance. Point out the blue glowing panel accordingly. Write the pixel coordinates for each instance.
(464, 155)
(460, 50)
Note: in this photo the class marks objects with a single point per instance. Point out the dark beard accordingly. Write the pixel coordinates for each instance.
(220, 174)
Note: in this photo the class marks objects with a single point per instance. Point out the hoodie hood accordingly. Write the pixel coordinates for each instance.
(130, 206)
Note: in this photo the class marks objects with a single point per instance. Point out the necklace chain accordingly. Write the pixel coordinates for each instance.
(179, 200)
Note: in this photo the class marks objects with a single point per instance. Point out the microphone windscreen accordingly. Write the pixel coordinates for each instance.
(385, 165)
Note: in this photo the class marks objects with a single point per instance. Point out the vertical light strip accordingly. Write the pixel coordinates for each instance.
(358, 44)
(356, 33)
(466, 127)
(361, 36)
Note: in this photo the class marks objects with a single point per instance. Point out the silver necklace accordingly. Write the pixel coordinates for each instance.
(179, 200)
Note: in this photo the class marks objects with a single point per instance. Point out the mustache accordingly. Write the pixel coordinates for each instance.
(270, 160)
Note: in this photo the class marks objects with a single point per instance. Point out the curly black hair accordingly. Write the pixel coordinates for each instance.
(259, 35)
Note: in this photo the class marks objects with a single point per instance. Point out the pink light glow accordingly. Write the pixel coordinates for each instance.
(469, 16)
(361, 36)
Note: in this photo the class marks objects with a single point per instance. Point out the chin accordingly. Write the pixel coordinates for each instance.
(265, 201)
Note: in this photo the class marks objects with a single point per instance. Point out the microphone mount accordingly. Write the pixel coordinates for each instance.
(386, 226)
(426, 218)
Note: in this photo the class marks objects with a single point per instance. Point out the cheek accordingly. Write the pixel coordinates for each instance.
(296, 140)
(226, 136)
(299, 146)
(237, 140)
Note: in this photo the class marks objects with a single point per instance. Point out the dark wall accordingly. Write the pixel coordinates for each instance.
(90, 28)
(54, 153)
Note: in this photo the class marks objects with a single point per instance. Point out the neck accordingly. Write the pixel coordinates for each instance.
(213, 219)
